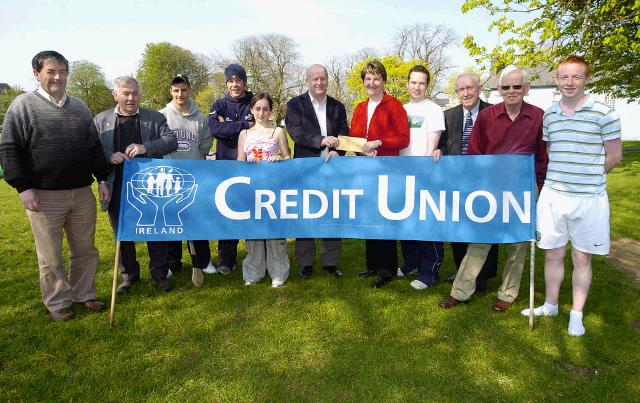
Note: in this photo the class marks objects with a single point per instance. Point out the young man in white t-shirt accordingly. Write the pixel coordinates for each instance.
(426, 121)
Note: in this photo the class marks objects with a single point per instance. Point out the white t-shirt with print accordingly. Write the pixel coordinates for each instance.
(424, 117)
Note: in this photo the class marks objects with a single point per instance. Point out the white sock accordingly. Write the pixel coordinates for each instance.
(576, 328)
(545, 309)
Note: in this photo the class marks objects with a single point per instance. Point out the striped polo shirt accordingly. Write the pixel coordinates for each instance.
(577, 155)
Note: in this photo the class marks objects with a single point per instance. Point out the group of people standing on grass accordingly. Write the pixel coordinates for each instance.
(52, 149)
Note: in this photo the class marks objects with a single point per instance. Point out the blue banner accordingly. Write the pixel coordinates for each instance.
(488, 199)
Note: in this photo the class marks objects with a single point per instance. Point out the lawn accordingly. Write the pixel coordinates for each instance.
(318, 339)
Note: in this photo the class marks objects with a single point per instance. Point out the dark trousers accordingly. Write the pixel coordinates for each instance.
(199, 251)
(329, 251)
(426, 256)
(382, 257)
(158, 250)
(227, 252)
(490, 267)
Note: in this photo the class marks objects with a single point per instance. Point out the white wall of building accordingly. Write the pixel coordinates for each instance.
(545, 96)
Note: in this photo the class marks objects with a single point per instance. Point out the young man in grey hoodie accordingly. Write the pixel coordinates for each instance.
(191, 129)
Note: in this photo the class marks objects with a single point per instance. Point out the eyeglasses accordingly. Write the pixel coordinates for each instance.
(508, 87)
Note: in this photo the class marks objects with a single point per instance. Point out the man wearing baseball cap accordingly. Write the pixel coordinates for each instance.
(227, 118)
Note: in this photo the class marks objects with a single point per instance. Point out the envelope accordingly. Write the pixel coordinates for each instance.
(353, 144)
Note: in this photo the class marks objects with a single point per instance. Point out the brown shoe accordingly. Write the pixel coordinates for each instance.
(61, 314)
(450, 302)
(500, 305)
(93, 305)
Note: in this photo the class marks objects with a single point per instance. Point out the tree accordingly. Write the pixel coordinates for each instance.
(87, 82)
(338, 70)
(6, 97)
(273, 65)
(397, 72)
(605, 32)
(160, 63)
(427, 44)
(205, 97)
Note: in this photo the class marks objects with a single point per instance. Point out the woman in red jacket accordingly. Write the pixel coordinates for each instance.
(383, 121)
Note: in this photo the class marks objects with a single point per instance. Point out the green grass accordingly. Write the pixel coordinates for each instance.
(319, 339)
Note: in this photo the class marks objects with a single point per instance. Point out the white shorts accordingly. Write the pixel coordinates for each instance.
(563, 217)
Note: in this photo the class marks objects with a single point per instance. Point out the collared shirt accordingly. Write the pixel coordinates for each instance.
(48, 96)
(474, 112)
(576, 152)
(320, 108)
(495, 133)
(116, 110)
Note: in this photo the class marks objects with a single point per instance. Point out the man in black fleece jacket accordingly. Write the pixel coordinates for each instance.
(227, 118)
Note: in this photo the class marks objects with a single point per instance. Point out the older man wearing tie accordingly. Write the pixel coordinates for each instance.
(459, 122)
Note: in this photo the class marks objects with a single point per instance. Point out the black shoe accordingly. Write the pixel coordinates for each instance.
(450, 279)
(126, 286)
(367, 273)
(333, 270)
(164, 285)
(175, 267)
(481, 285)
(305, 271)
(380, 282)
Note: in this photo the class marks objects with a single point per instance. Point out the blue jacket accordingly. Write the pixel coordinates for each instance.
(236, 115)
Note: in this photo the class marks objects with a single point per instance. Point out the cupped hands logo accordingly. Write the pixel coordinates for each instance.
(163, 191)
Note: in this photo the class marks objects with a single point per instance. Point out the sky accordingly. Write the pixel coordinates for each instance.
(113, 34)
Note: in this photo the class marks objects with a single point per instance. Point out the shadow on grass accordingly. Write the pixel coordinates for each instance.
(319, 339)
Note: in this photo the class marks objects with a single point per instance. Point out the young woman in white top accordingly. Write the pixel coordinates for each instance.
(264, 142)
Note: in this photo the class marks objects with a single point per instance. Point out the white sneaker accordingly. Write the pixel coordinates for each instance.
(225, 269)
(401, 274)
(197, 277)
(249, 283)
(169, 274)
(419, 285)
(543, 310)
(277, 283)
(210, 269)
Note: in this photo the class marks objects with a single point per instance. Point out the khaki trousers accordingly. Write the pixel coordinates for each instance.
(265, 255)
(465, 283)
(74, 212)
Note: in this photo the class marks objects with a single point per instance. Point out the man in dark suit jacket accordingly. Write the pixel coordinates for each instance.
(454, 141)
(314, 120)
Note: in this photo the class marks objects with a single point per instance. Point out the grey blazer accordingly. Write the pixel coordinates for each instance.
(451, 139)
(157, 138)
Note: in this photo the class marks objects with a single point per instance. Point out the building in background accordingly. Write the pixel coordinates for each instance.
(544, 92)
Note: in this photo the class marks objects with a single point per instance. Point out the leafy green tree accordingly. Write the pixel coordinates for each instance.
(542, 32)
(6, 97)
(87, 82)
(160, 63)
(397, 72)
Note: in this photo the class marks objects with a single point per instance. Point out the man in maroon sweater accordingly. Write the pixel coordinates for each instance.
(510, 127)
